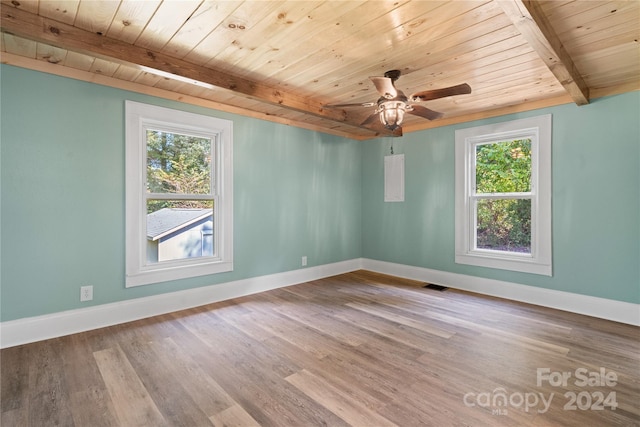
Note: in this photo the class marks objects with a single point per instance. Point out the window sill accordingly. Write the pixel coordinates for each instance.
(158, 275)
(523, 263)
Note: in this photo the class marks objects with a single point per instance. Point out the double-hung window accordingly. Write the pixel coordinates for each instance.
(178, 194)
(503, 195)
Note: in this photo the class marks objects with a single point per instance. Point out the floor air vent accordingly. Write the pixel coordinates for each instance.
(436, 287)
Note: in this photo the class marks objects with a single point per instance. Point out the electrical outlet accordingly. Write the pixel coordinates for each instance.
(304, 261)
(86, 293)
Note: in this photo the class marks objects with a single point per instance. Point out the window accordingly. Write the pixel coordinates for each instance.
(178, 194)
(503, 195)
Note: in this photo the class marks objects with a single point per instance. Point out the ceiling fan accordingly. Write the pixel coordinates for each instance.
(393, 103)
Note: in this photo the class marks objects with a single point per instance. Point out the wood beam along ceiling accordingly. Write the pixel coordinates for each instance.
(65, 36)
(529, 19)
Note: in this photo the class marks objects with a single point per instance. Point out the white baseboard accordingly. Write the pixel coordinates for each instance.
(618, 311)
(32, 329)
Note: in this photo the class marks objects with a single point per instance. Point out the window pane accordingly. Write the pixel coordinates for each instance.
(178, 163)
(504, 225)
(503, 167)
(179, 229)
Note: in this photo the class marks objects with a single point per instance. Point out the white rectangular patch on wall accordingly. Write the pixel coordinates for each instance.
(394, 178)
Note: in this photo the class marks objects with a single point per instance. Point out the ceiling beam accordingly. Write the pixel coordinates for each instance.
(37, 28)
(527, 16)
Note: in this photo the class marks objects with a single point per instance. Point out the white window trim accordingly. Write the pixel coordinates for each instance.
(138, 118)
(540, 259)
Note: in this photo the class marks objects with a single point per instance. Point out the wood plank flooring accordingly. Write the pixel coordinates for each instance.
(359, 349)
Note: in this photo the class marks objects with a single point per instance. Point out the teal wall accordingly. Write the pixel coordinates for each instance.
(596, 200)
(296, 193)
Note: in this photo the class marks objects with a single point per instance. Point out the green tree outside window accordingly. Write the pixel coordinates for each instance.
(503, 169)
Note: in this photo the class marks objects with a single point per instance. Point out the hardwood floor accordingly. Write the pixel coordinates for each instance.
(357, 349)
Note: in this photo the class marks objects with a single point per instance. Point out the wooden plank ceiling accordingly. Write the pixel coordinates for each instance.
(285, 60)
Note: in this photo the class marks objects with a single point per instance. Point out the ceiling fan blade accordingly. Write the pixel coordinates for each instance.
(428, 95)
(362, 104)
(420, 111)
(371, 119)
(385, 87)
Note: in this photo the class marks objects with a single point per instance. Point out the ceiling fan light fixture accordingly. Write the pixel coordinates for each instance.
(391, 114)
